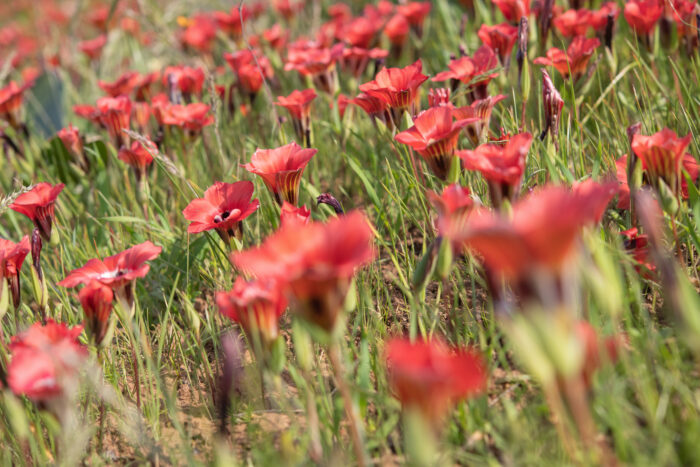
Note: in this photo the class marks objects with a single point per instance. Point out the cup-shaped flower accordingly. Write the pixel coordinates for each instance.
(317, 261)
(598, 19)
(191, 117)
(637, 245)
(92, 48)
(222, 208)
(430, 376)
(13, 255)
(114, 113)
(11, 97)
(501, 38)
(45, 360)
(298, 104)
(573, 23)
(292, 215)
(38, 204)
(574, 61)
(397, 30)
(480, 109)
(453, 206)
(138, 156)
(255, 305)
(642, 15)
(184, 79)
(376, 108)
(502, 166)
(513, 10)
(662, 157)
(122, 86)
(96, 300)
(281, 169)
(398, 87)
(116, 271)
(70, 137)
(434, 135)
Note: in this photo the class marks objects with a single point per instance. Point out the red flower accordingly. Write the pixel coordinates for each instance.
(223, 206)
(467, 69)
(430, 377)
(642, 15)
(189, 81)
(122, 86)
(453, 207)
(501, 38)
(623, 199)
(638, 246)
(232, 22)
(96, 300)
(513, 10)
(573, 23)
(598, 19)
(256, 306)
(481, 110)
(439, 97)
(397, 30)
(250, 73)
(199, 33)
(11, 103)
(313, 59)
(281, 169)
(138, 156)
(460, 69)
(276, 36)
(192, 117)
(662, 156)
(11, 259)
(343, 102)
(38, 205)
(596, 351)
(415, 12)
(359, 32)
(114, 113)
(356, 60)
(116, 271)
(374, 107)
(572, 62)
(298, 104)
(398, 87)
(434, 135)
(44, 360)
(93, 47)
(502, 166)
(70, 137)
(292, 215)
(316, 260)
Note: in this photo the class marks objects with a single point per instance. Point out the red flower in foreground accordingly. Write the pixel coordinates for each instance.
(114, 113)
(117, 271)
(96, 300)
(513, 10)
(281, 169)
(481, 110)
(292, 215)
(11, 97)
(45, 360)
(430, 377)
(501, 38)
(38, 205)
(11, 259)
(572, 62)
(398, 87)
(93, 47)
(453, 206)
(298, 104)
(642, 15)
(662, 156)
(316, 260)
(434, 135)
(256, 306)
(573, 23)
(223, 206)
(502, 166)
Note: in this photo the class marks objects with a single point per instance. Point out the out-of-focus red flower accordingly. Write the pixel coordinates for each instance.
(256, 306)
(513, 10)
(281, 169)
(662, 156)
(292, 215)
(231, 23)
(434, 136)
(360, 32)
(397, 30)
(44, 358)
(453, 206)
(276, 36)
(638, 246)
(93, 48)
(355, 60)
(598, 19)
(398, 87)
(574, 61)
(70, 137)
(192, 117)
(98, 17)
(222, 208)
(122, 86)
(642, 15)
(114, 113)
(287, 8)
(11, 97)
(199, 33)
(250, 72)
(316, 260)
(116, 271)
(415, 12)
(141, 114)
(502, 166)
(573, 23)
(189, 81)
(481, 110)
(430, 377)
(298, 104)
(596, 350)
(541, 235)
(343, 102)
(96, 300)
(685, 15)
(38, 205)
(501, 38)
(312, 59)
(623, 198)
(137, 155)
(11, 259)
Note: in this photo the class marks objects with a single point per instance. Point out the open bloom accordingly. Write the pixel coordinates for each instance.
(598, 19)
(251, 68)
(642, 15)
(256, 306)
(292, 215)
(476, 71)
(502, 166)
(662, 156)
(184, 79)
(138, 156)
(574, 61)
(317, 261)
(430, 377)
(122, 86)
(573, 23)
(199, 33)
(117, 271)
(281, 169)
(453, 206)
(38, 205)
(96, 300)
(11, 97)
(312, 59)
(398, 87)
(70, 137)
(479, 115)
(191, 117)
(501, 38)
(45, 360)
(513, 10)
(12, 257)
(376, 108)
(434, 135)
(298, 104)
(222, 208)
(114, 113)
